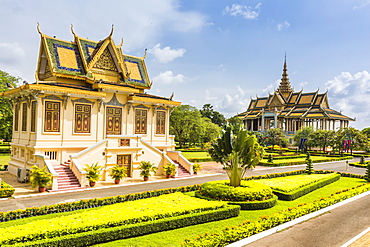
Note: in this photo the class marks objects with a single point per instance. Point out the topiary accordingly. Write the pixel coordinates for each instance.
(362, 159)
(270, 159)
(367, 173)
(309, 167)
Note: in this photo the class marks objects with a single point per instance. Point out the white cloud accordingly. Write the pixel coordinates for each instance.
(272, 87)
(351, 95)
(362, 4)
(246, 12)
(229, 104)
(166, 54)
(11, 54)
(168, 77)
(285, 24)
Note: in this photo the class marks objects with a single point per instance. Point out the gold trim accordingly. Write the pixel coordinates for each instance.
(115, 87)
(160, 101)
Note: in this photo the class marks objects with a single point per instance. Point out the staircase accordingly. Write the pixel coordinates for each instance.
(66, 179)
(181, 171)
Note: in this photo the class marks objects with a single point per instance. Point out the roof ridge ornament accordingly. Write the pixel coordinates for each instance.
(38, 28)
(111, 32)
(73, 32)
(145, 53)
(122, 41)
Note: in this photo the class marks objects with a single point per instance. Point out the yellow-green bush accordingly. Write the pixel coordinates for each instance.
(126, 213)
(248, 191)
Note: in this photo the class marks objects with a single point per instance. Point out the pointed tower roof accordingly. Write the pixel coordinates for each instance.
(285, 89)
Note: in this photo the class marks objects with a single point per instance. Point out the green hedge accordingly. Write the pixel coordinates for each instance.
(247, 229)
(358, 164)
(303, 162)
(248, 191)
(6, 190)
(289, 157)
(292, 195)
(253, 205)
(194, 160)
(127, 231)
(89, 203)
(4, 149)
(284, 174)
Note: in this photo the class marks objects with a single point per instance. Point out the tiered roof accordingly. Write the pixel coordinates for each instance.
(90, 61)
(86, 67)
(290, 104)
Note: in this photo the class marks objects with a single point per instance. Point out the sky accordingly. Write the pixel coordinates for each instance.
(221, 52)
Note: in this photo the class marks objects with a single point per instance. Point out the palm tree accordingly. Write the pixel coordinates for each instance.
(236, 153)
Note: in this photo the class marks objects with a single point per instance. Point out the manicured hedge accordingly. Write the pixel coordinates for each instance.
(292, 195)
(304, 162)
(247, 229)
(6, 190)
(284, 174)
(89, 203)
(358, 164)
(247, 191)
(127, 231)
(200, 159)
(149, 209)
(282, 157)
(253, 205)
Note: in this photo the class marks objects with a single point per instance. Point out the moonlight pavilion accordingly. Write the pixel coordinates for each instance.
(290, 111)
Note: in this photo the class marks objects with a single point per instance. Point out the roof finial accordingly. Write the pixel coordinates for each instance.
(38, 28)
(122, 41)
(145, 53)
(111, 32)
(73, 32)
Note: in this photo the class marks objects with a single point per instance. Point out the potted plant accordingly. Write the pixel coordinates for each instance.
(196, 168)
(92, 173)
(117, 173)
(146, 168)
(169, 169)
(40, 178)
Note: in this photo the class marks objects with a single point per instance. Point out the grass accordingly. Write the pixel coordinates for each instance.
(176, 237)
(4, 159)
(163, 206)
(290, 183)
(196, 155)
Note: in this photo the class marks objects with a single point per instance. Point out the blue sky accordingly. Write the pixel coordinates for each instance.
(217, 52)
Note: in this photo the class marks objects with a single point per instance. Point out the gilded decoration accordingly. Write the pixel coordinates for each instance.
(106, 62)
(124, 142)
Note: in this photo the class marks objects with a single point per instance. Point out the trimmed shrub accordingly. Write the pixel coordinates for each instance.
(248, 191)
(89, 203)
(253, 205)
(292, 195)
(6, 190)
(247, 229)
(127, 231)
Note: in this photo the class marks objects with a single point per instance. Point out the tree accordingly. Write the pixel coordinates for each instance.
(188, 126)
(236, 122)
(275, 137)
(322, 138)
(304, 134)
(216, 117)
(236, 153)
(367, 173)
(6, 108)
(185, 124)
(309, 167)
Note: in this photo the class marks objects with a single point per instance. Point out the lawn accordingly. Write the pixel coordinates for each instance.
(4, 159)
(176, 237)
(196, 155)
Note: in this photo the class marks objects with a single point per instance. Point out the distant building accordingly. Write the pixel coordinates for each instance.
(89, 105)
(290, 111)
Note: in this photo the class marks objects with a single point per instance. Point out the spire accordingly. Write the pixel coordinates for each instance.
(285, 89)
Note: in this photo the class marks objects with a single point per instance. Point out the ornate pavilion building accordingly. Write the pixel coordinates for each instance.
(89, 105)
(290, 111)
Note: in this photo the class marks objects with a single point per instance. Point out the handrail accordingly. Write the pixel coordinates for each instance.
(74, 156)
